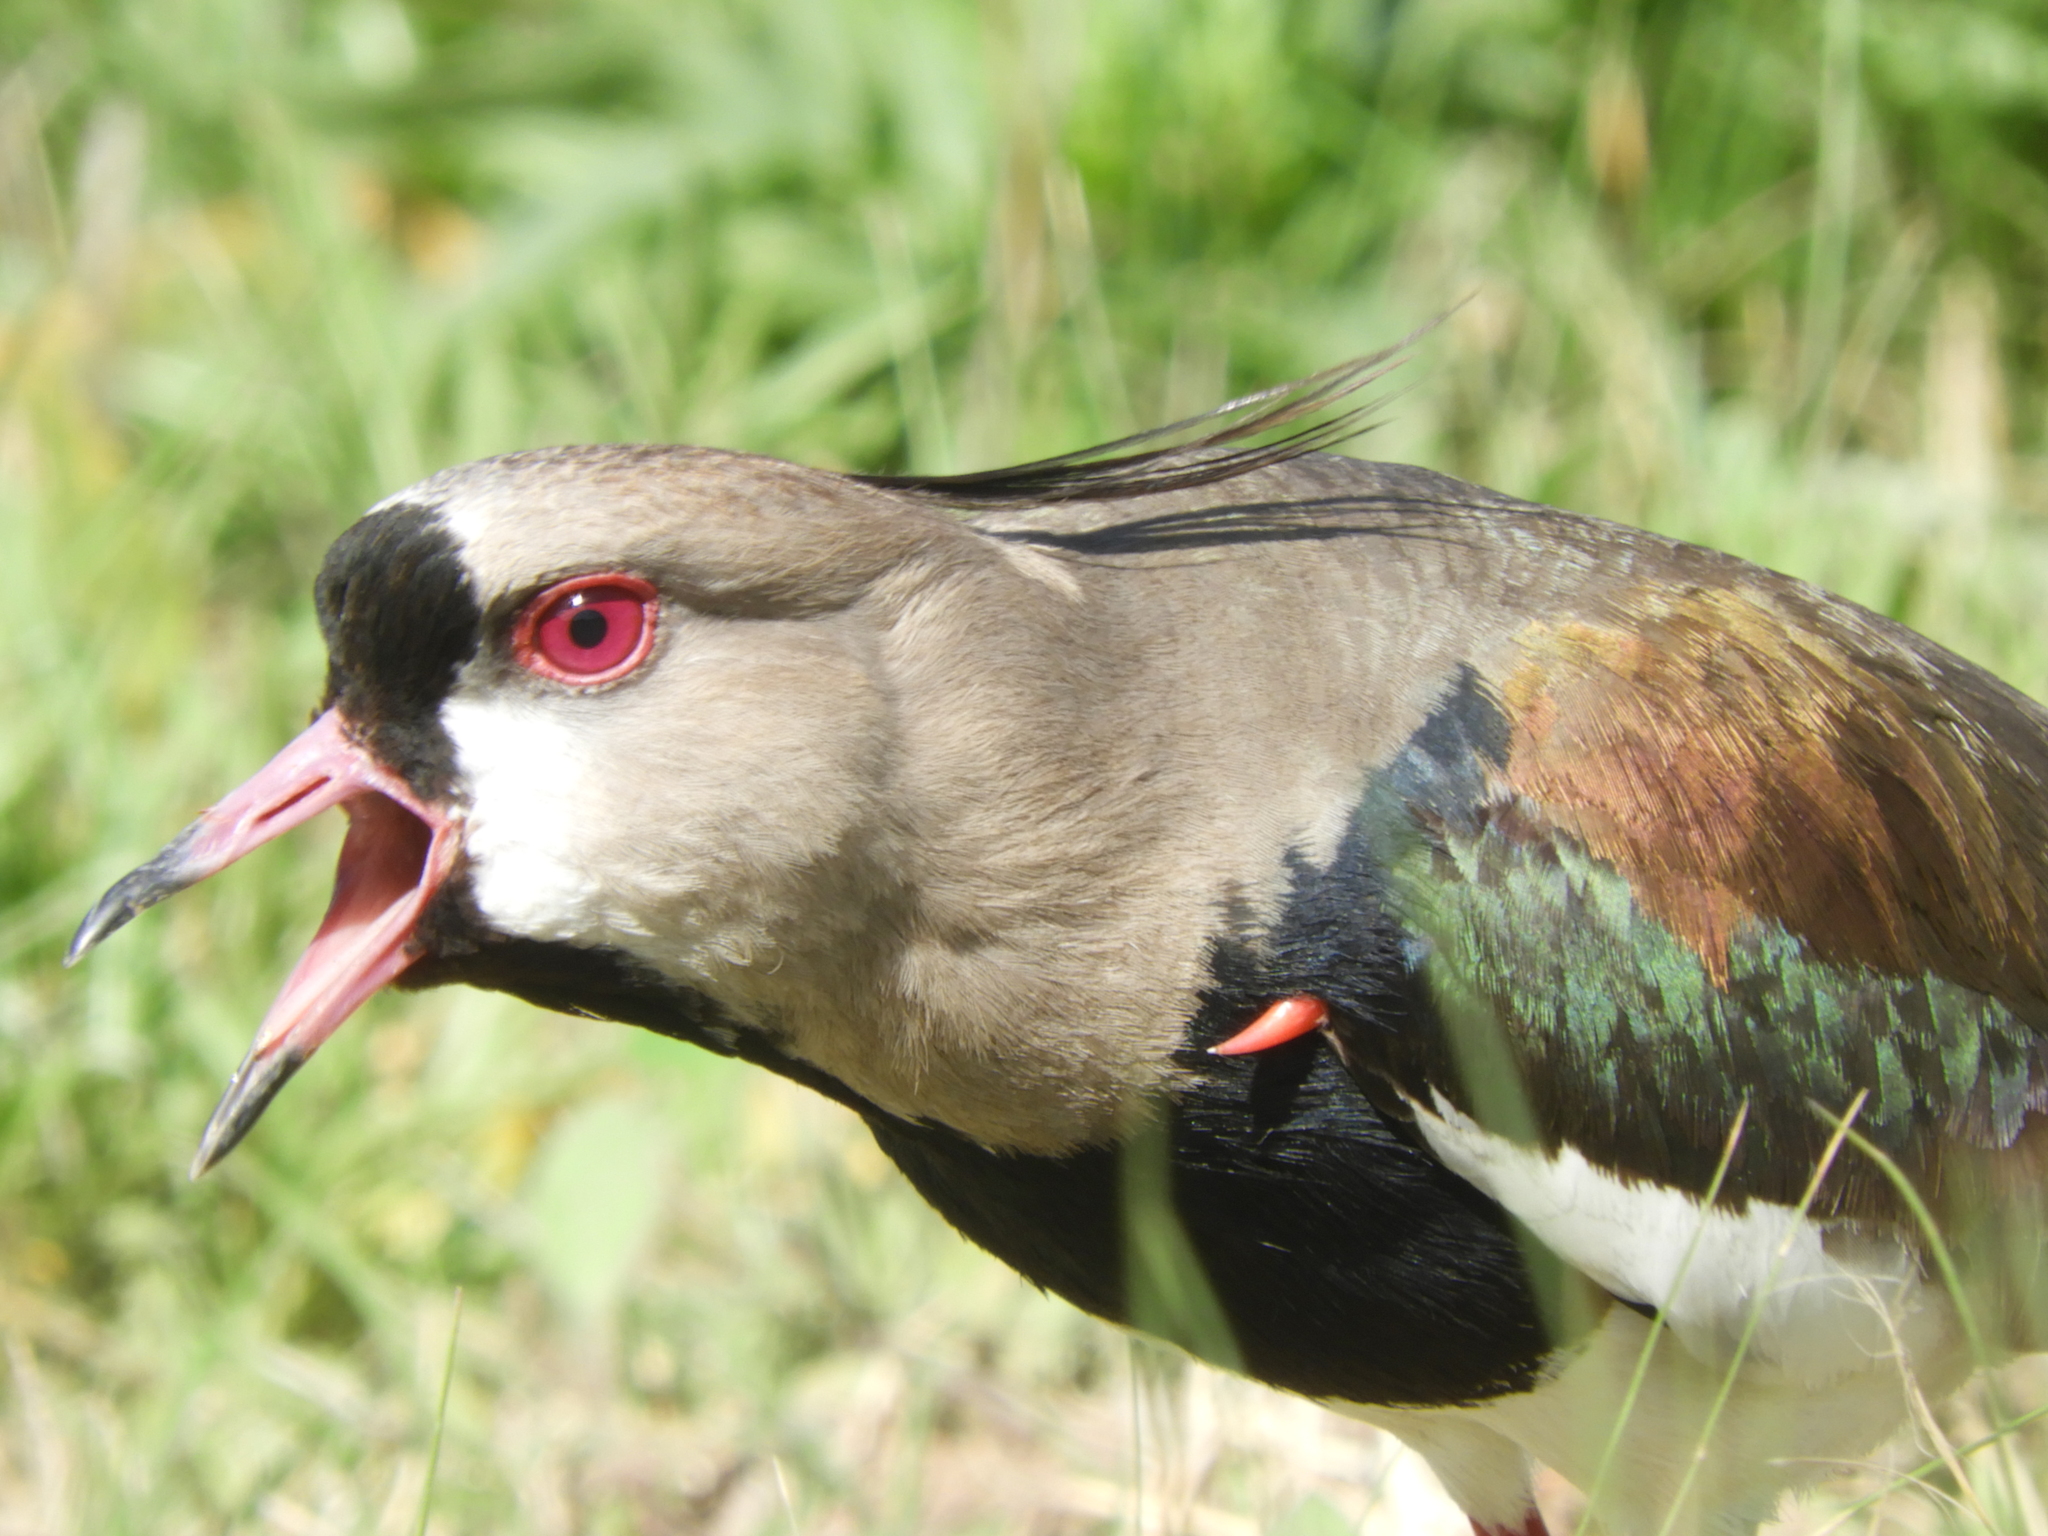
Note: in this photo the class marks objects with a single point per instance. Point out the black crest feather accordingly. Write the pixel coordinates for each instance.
(1202, 450)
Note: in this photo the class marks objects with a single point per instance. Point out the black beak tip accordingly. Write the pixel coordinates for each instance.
(109, 913)
(165, 875)
(256, 1082)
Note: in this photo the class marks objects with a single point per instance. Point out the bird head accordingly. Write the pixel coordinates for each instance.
(810, 756)
(622, 698)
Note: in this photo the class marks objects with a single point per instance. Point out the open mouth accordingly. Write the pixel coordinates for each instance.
(397, 855)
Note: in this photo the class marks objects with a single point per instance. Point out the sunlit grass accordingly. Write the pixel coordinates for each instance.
(1760, 276)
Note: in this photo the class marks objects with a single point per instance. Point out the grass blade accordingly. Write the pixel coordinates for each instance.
(441, 1419)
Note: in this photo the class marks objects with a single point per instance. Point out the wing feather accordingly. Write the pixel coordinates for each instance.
(1713, 844)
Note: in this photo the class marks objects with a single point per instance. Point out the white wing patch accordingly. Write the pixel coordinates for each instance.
(1827, 1301)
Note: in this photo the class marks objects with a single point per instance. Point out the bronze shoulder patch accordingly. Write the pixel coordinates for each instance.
(1733, 760)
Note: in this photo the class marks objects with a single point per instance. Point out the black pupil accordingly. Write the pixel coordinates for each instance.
(587, 629)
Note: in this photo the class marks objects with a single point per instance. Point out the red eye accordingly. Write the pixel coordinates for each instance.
(589, 629)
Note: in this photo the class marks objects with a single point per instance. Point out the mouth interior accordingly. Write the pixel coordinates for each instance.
(382, 860)
(381, 885)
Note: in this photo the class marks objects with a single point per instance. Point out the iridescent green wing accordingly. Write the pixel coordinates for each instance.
(1711, 846)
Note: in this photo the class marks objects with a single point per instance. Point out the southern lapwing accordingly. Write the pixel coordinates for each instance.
(1540, 954)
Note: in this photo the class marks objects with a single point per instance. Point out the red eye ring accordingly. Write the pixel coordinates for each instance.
(587, 630)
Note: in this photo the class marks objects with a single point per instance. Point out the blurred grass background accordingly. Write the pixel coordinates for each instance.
(1766, 275)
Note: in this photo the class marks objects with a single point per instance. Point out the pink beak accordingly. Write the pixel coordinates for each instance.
(398, 853)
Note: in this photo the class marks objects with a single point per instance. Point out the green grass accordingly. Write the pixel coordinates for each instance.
(1767, 276)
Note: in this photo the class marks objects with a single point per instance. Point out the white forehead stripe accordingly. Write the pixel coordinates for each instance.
(459, 497)
(464, 512)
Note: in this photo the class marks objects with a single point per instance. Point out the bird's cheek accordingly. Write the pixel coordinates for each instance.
(690, 810)
(536, 811)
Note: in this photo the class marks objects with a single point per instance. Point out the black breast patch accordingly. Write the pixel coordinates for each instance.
(1344, 1259)
(1347, 1262)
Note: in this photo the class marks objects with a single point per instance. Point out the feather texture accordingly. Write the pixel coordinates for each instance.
(1657, 870)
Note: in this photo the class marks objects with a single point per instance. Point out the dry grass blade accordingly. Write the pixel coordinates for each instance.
(1754, 1316)
(1602, 1470)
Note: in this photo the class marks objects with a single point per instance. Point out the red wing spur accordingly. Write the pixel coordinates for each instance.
(1532, 947)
